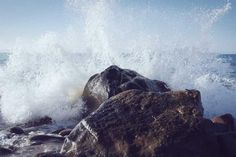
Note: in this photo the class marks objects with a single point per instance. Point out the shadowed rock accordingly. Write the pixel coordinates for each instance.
(65, 132)
(17, 130)
(49, 154)
(5, 151)
(48, 137)
(227, 142)
(39, 122)
(226, 121)
(137, 123)
(58, 131)
(115, 80)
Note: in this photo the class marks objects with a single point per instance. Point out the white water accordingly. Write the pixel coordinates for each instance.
(46, 76)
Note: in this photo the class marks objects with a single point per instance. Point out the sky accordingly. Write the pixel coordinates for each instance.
(31, 18)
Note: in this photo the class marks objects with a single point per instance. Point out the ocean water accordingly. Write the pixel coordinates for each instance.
(45, 76)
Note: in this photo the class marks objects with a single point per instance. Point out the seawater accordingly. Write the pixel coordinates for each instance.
(46, 75)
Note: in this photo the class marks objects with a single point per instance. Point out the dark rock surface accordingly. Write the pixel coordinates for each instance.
(137, 123)
(49, 154)
(46, 137)
(226, 120)
(65, 132)
(17, 130)
(227, 142)
(114, 80)
(58, 131)
(39, 122)
(5, 151)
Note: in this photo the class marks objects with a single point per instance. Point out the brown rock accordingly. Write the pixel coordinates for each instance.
(226, 120)
(115, 80)
(144, 124)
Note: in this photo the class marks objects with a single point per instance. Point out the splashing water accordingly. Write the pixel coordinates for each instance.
(47, 76)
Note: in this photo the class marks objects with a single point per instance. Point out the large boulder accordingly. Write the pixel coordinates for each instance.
(114, 80)
(136, 123)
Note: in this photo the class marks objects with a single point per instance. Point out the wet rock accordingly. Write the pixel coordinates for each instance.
(17, 130)
(135, 123)
(46, 137)
(35, 143)
(65, 132)
(227, 142)
(39, 122)
(115, 80)
(58, 131)
(225, 121)
(49, 154)
(5, 151)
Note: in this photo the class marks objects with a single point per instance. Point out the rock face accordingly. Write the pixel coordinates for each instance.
(5, 151)
(226, 120)
(39, 122)
(17, 130)
(227, 142)
(136, 123)
(49, 154)
(65, 132)
(115, 80)
(46, 137)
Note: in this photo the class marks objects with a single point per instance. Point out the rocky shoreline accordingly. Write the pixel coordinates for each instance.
(128, 115)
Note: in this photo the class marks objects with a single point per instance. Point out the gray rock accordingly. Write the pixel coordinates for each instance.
(5, 151)
(135, 123)
(39, 121)
(49, 154)
(65, 132)
(46, 137)
(58, 131)
(17, 130)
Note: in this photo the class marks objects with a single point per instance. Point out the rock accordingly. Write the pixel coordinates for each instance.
(135, 123)
(49, 154)
(65, 132)
(5, 151)
(35, 143)
(115, 80)
(226, 120)
(39, 122)
(58, 131)
(227, 142)
(17, 130)
(48, 137)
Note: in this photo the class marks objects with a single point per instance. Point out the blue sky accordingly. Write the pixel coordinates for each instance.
(31, 18)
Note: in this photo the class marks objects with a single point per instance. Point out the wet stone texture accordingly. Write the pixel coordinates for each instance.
(114, 80)
(137, 123)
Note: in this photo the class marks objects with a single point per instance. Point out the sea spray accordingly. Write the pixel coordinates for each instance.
(46, 76)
